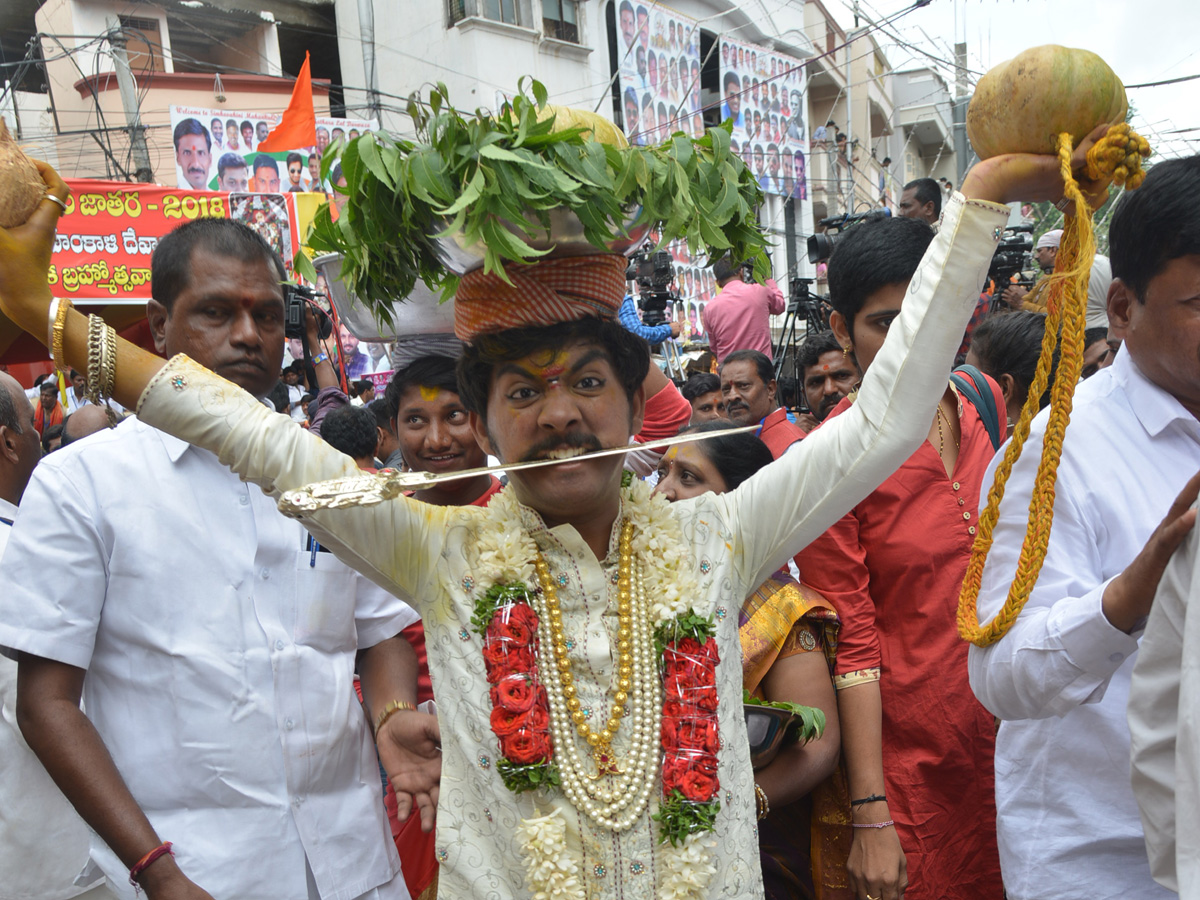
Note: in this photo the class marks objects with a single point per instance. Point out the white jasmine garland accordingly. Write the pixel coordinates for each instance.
(552, 872)
(688, 869)
(506, 555)
(658, 542)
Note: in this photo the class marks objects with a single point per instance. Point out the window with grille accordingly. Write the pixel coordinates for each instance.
(560, 19)
(499, 10)
(143, 43)
(507, 11)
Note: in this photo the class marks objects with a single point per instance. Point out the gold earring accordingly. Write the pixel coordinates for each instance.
(845, 351)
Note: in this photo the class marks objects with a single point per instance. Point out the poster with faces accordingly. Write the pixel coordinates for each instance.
(764, 93)
(658, 51)
(217, 150)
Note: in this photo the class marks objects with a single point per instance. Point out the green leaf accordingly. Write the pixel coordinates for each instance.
(304, 266)
(469, 195)
(369, 153)
(539, 93)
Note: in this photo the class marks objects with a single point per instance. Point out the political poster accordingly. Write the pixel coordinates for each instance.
(659, 67)
(216, 149)
(108, 233)
(763, 92)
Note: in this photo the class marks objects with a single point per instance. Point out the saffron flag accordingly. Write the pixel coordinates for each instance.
(298, 127)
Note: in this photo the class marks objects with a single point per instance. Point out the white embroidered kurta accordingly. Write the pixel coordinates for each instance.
(736, 540)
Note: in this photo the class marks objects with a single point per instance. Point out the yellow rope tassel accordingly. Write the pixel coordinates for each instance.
(1117, 156)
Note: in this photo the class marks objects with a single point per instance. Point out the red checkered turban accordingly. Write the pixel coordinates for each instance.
(543, 293)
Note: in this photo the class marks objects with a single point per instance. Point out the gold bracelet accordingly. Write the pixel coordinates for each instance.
(390, 710)
(61, 307)
(760, 800)
(108, 363)
(95, 361)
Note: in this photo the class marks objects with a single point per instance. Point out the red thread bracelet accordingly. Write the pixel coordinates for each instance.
(163, 849)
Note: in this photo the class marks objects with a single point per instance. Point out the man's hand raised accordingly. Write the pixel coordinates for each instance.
(25, 259)
(1129, 596)
(1032, 178)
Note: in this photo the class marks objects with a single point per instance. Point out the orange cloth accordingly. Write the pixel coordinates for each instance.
(298, 127)
(41, 421)
(543, 293)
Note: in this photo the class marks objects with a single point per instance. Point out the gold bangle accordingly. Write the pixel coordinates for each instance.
(57, 332)
(390, 710)
(108, 362)
(95, 360)
(760, 799)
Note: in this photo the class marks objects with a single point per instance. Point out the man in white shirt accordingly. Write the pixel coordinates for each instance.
(77, 392)
(43, 842)
(1164, 709)
(218, 643)
(1067, 822)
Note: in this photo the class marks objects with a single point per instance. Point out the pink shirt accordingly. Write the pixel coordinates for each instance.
(739, 318)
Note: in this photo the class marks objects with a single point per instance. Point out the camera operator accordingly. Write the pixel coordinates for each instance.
(1046, 256)
(739, 318)
(1044, 253)
(632, 321)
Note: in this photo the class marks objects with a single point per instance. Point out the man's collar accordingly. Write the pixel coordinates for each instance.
(1154, 407)
(174, 446)
(771, 418)
(7, 510)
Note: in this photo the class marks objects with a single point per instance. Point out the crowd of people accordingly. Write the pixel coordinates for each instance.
(239, 703)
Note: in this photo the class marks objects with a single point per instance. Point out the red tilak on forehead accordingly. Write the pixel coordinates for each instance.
(554, 371)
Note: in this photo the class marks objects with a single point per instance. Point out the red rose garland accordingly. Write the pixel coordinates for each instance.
(520, 716)
(690, 736)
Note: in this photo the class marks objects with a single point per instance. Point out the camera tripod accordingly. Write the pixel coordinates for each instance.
(801, 303)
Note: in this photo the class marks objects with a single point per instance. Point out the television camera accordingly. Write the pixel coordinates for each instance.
(652, 271)
(1014, 254)
(821, 246)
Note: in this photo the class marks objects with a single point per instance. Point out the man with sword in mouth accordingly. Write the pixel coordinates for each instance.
(569, 764)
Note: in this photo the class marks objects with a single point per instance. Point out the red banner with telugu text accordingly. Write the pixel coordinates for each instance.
(106, 237)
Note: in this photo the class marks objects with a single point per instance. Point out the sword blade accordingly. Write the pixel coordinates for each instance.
(369, 489)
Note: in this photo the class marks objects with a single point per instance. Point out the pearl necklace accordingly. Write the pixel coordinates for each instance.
(612, 798)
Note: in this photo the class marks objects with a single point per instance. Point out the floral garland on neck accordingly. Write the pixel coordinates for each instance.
(515, 655)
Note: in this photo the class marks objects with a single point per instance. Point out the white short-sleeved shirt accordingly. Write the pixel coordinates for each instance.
(43, 842)
(220, 656)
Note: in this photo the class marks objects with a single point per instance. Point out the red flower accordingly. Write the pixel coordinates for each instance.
(510, 631)
(705, 697)
(699, 734)
(504, 658)
(673, 770)
(506, 721)
(698, 786)
(538, 718)
(678, 709)
(514, 692)
(525, 747)
(518, 613)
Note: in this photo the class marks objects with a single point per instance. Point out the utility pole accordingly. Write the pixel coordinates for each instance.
(962, 149)
(142, 170)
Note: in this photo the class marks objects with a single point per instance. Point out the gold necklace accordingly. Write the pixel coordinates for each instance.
(600, 742)
(941, 435)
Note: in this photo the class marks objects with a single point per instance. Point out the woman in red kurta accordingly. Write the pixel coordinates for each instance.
(918, 745)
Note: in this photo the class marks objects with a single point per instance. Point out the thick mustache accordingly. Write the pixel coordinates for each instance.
(576, 440)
